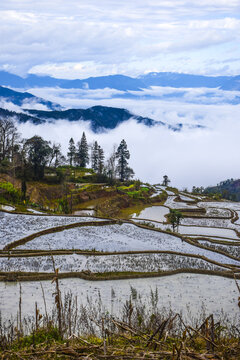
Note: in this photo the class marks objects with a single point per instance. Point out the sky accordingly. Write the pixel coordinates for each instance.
(78, 39)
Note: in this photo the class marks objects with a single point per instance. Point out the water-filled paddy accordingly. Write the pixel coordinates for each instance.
(14, 226)
(85, 212)
(220, 204)
(7, 208)
(183, 293)
(221, 223)
(105, 263)
(170, 202)
(186, 198)
(154, 213)
(208, 231)
(125, 237)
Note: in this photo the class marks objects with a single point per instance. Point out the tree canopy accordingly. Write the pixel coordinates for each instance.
(123, 155)
(37, 153)
(82, 157)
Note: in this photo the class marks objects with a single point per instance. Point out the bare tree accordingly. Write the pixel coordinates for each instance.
(8, 139)
(111, 167)
(55, 155)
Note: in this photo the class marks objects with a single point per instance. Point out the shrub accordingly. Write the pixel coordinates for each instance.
(9, 193)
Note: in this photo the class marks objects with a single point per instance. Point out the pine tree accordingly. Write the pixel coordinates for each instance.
(100, 160)
(82, 158)
(72, 151)
(94, 156)
(97, 158)
(122, 154)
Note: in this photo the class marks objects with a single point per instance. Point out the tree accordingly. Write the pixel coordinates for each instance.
(37, 153)
(197, 190)
(122, 154)
(82, 158)
(94, 156)
(166, 180)
(97, 158)
(100, 160)
(8, 139)
(55, 154)
(175, 217)
(111, 170)
(71, 151)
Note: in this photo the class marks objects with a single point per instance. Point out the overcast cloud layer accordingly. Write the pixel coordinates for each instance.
(77, 38)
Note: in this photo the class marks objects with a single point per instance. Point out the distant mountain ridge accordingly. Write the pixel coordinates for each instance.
(177, 80)
(118, 82)
(100, 117)
(124, 83)
(24, 98)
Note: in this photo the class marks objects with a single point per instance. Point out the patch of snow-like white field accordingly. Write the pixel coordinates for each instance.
(186, 293)
(238, 221)
(229, 249)
(195, 230)
(217, 212)
(186, 198)
(170, 193)
(35, 211)
(124, 237)
(7, 208)
(14, 226)
(170, 202)
(220, 223)
(157, 192)
(196, 197)
(208, 231)
(215, 238)
(104, 263)
(86, 212)
(220, 204)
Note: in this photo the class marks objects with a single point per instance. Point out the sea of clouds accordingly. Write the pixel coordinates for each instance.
(192, 156)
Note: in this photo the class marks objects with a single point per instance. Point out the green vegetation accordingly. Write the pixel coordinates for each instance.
(228, 189)
(9, 194)
(134, 191)
(43, 176)
(123, 155)
(47, 335)
(174, 218)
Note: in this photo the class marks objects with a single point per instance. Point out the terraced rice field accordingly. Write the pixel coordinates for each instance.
(15, 226)
(155, 213)
(206, 243)
(189, 294)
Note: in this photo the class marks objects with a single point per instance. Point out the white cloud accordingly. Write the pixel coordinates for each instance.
(79, 39)
(75, 98)
(190, 157)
